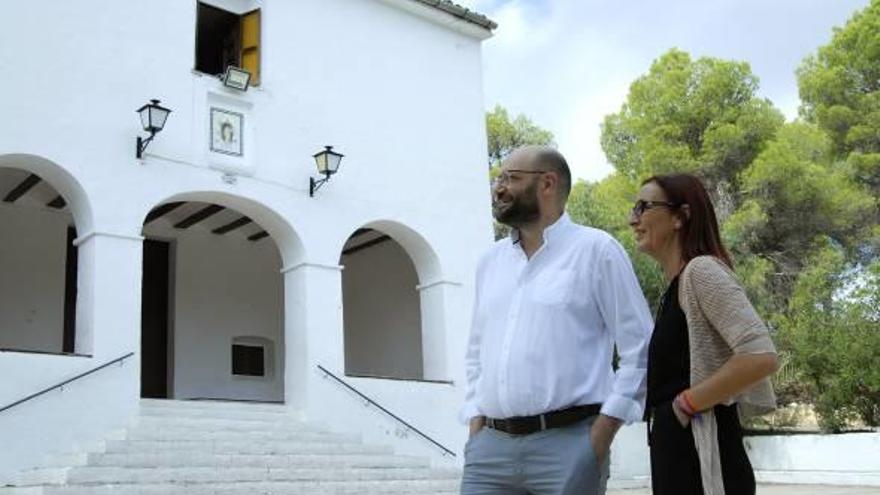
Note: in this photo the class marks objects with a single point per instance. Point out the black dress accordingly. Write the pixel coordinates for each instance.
(675, 467)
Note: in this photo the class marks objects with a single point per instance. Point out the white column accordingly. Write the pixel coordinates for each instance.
(435, 312)
(108, 315)
(313, 331)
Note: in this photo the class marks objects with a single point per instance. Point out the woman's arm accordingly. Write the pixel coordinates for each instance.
(723, 302)
(739, 373)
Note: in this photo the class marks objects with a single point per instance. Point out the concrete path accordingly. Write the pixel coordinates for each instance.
(784, 490)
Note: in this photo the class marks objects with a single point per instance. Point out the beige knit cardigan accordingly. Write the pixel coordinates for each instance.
(721, 322)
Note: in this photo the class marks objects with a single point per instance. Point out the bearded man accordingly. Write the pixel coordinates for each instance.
(552, 300)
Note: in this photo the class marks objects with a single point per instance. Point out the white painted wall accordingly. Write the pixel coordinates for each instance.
(381, 312)
(32, 263)
(392, 91)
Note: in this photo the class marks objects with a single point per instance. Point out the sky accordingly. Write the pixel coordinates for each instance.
(567, 63)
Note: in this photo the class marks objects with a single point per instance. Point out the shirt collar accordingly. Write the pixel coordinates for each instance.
(551, 233)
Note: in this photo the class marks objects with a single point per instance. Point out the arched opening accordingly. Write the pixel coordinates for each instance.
(39, 265)
(393, 326)
(212, 303)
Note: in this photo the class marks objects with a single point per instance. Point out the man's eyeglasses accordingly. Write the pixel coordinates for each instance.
(504, 177)
(642, 205)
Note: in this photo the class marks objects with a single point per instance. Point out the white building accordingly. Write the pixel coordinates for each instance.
(207, 258)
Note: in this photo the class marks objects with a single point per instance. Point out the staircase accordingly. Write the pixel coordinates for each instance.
(225, 448)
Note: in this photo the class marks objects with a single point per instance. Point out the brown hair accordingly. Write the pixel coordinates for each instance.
(699, 234)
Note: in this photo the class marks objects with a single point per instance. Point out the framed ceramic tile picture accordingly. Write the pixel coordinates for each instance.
(226, 132)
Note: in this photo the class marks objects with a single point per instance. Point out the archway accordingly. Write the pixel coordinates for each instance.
(392, 312)
(42, 208)
(213, 299)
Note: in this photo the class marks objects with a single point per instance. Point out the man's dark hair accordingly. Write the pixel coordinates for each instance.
(552, 160)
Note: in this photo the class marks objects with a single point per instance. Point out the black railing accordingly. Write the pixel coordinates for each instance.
(386, 411)
(65, 382)
(400, 379)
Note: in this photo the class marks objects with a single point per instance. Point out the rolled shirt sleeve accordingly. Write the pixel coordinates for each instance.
(626, 315)
(470, 408)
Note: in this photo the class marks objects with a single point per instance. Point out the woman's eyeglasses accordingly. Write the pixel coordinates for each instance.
(642, 205)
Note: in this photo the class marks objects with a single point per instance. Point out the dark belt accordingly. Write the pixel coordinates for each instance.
(525, 425)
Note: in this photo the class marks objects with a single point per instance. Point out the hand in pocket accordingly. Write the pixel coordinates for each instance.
(683, 419)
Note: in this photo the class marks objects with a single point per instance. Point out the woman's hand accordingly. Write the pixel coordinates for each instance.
(680, 415)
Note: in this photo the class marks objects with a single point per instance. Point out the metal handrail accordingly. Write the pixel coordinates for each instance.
(386, 411)
(65, 382)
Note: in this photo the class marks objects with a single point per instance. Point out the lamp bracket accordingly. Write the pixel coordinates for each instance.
(314, 185)
(142, 145)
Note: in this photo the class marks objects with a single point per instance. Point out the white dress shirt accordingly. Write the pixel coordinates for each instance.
(544, 329)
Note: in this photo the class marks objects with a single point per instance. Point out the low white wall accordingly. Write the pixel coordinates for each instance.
(381, 313)
(32, 263)
(425, 405)
(844, 459)
(59, 421)
(630, 458)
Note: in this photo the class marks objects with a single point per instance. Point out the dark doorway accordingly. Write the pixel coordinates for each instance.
(68, 342)
(154, 319)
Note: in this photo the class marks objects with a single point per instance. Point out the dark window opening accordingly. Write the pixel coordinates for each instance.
(224, 38)
(217, 39)
(248, 360)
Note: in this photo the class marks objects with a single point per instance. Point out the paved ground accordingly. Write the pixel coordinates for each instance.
(784, 490)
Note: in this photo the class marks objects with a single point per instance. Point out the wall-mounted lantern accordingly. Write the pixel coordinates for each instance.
(327, 162)
(153, 118)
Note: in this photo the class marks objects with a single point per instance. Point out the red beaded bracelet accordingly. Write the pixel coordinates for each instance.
(686, 404)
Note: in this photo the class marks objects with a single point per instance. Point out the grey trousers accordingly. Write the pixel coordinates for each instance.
(558, 461)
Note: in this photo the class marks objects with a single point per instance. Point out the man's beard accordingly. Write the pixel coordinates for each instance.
(522, 210)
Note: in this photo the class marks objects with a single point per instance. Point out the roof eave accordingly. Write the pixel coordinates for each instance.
(449, 15)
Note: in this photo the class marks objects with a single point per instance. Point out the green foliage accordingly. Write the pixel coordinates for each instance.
(690, 116)
(505, 135)
(832, 330)
(795, 192)
(840, 84)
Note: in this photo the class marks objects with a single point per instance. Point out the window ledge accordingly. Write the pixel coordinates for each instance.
(258, 88)
(44, 353)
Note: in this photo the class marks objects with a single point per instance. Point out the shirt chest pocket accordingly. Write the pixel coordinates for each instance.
(554, 287)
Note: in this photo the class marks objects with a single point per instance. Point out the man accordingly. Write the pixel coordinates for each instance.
(552, 300)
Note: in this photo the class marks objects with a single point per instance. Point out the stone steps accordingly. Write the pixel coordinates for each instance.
(201, 447)
(211, 423)
(244, 447)
(212, 405)
(143, 475)
(202, 459)
(188, 434)
(412, 487)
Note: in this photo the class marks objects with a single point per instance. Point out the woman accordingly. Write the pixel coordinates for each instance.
(710, 355)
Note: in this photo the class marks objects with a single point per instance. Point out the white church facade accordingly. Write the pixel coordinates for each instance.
(206, 268)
